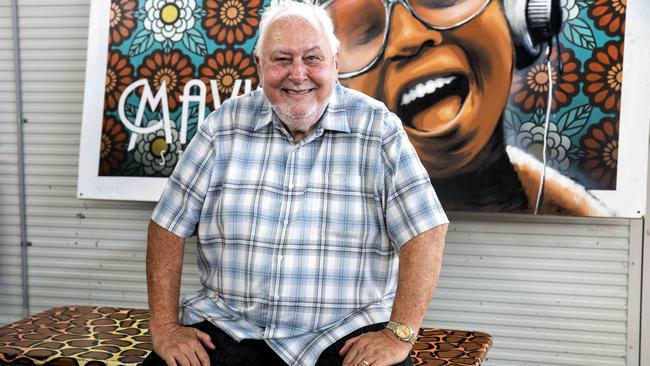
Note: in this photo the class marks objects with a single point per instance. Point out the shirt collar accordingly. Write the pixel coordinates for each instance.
(334, 118)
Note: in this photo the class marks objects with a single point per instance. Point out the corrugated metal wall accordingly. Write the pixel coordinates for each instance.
(10, 274)
(552, 291)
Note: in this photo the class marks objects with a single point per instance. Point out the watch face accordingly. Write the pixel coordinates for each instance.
(402, 331)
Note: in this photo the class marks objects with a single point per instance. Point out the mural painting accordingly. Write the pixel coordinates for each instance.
(469, 79)
(447, 71)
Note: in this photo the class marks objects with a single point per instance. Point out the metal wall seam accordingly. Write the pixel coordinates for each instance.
(21, 158)
(11, 304)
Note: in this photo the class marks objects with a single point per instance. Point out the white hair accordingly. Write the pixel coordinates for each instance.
(314, 14)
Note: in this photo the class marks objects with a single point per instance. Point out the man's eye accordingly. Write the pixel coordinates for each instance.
(312, 59)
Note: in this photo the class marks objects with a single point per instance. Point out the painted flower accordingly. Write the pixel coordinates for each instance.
(529, 90)
(119, 73)
(609, 15)
(231, 21)
(226, 66)
(168, 20)
(570, 9)
(112, 152)
(156, 156)
(122, 20)
(173, 70)
(604, 76)
(530, 138)
(600, 145)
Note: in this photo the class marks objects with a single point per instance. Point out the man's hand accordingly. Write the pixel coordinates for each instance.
(182, 346)
(375, 348)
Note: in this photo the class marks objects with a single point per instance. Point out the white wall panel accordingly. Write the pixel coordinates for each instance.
(552, 291)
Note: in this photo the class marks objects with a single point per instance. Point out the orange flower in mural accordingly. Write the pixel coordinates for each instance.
(173, 70)
(529, 90)
(231, 20)
(603, 77)
(609, 15)
(226, 66)
(122, 20)
(601, 152)
(118, 76)
(112, 151)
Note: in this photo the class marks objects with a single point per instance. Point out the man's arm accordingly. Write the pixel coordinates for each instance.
(419, 268)
(175, 344)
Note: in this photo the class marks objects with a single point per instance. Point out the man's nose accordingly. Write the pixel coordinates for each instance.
(298, 70)
(407, 34)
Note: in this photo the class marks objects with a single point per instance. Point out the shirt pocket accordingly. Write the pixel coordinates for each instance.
(348, 208)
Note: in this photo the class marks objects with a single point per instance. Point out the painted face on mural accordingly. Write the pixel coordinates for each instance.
(298, 72)
(448, 86)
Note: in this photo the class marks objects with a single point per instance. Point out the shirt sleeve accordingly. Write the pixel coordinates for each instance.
(179, 207)
(411, 205)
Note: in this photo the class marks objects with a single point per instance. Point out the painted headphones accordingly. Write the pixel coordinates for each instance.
(533, 24)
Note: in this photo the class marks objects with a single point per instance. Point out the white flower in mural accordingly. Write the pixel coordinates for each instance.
(169, 19)
(531, 138)
(570, 10)
(157, 156)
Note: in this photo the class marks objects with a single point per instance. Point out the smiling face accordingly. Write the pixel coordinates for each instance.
(448, 87)
(298, 72)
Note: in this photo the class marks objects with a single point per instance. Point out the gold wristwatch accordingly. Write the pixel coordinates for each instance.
(403, 332)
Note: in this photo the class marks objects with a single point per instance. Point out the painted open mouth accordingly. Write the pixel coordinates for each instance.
(429, 104)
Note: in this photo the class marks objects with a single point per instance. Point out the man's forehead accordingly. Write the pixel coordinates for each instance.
(295, 32)
(287, 51)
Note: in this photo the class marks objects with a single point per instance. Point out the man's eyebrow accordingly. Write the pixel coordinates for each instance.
(280, 53)
(285, 53)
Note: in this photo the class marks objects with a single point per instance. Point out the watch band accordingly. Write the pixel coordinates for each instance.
(403, 332)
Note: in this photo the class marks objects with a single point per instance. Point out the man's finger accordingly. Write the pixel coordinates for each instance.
(194, 358)
(169, 360)
(348, 344)
(182, 360)
(205, 339)
(200, 355)
(352, 356)
(203, 357)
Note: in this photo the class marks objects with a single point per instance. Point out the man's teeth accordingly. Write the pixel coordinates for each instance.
(423, 89)
(297, 91)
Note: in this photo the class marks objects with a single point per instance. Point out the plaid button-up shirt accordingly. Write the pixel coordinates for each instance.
(298, 242)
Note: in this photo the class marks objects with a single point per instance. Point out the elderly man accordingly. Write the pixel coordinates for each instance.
(320, 236)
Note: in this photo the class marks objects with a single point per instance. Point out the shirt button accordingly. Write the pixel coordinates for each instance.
(290, 186)
(286, 221)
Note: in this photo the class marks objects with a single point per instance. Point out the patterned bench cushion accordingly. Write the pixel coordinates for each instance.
(105, 336)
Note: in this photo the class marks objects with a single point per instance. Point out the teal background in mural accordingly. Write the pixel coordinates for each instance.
(170, 43)
(583, 130)
(175, 41)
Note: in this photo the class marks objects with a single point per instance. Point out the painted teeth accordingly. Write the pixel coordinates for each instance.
(423, 89)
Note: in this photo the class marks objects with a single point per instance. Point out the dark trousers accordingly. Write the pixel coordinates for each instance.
(255, 352)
